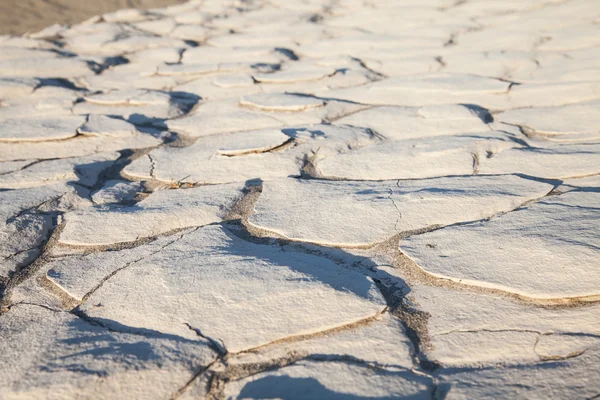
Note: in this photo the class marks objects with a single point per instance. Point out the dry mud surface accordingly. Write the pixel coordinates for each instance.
(303, 200)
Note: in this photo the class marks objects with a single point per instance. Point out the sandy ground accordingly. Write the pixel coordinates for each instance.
(21, 16)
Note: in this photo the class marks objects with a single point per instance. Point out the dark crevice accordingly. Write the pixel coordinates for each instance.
(414, 322)
(288, 53)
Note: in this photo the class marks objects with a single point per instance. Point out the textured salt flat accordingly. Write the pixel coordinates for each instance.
(303, 200)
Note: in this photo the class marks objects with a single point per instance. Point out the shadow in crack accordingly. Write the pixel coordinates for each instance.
(289, 388)
(88, 349)
(483, 113)
(180, 104)
(108, 62)
(90, 173)
(59, 82)
(184, 101)
(102, 324)
(306, 267)
(140, 351)
(296, 133)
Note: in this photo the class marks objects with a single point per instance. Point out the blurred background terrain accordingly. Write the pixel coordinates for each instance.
(21, 16)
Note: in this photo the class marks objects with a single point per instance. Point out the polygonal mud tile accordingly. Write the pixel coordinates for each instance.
(228, 116)
(12, 87)
(579, 119)
(428, 89)
(79, 275)
(552, 93)
(416, 158)
(280, 102)
(35, 129)
(161, 212)
(545, 160)
(137, 105)
(82, 170)
(399, 123)
(359, 213)
(331, 380)
(101, 125)
(242, 156)
(27, 220)
(114, 191)
(380, 340)
(266, 292)
(544, 250)
(46, 351)
(79, 146)
(296, 73)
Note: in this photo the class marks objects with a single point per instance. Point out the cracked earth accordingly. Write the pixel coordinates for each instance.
(341, 199)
